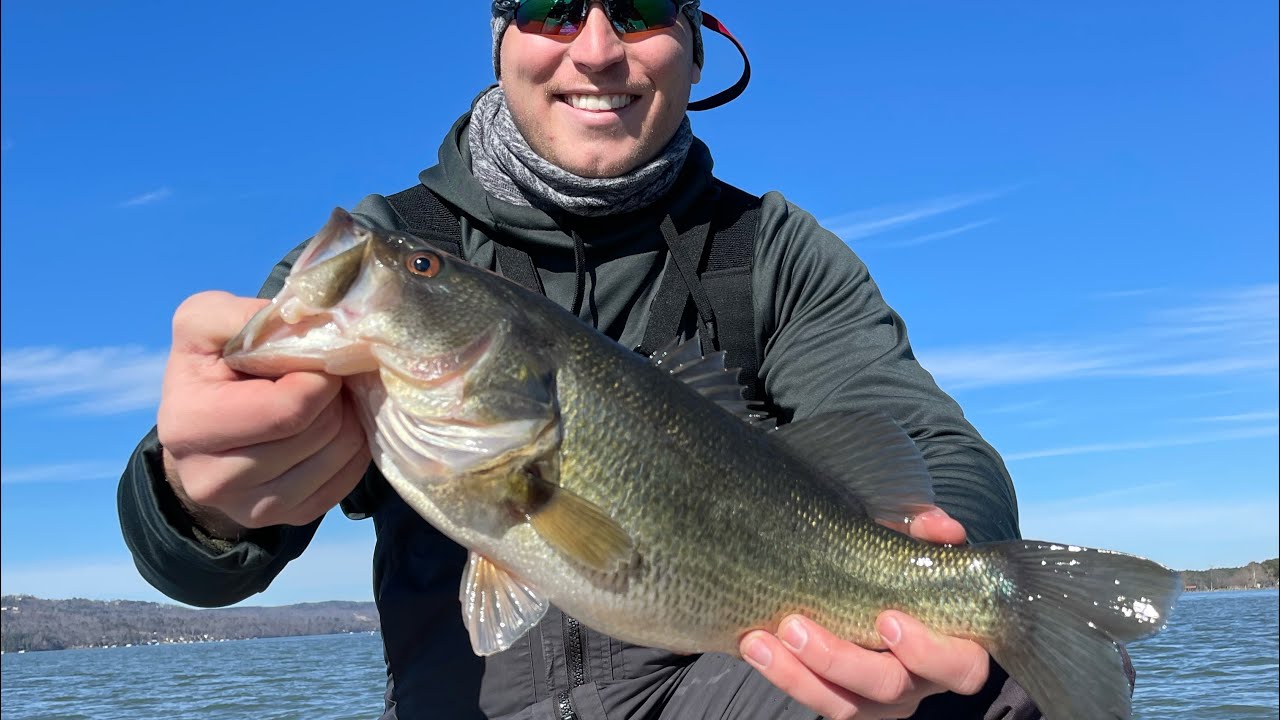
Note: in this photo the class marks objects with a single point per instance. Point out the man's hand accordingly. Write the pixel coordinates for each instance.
(244, 452)
(843, 681)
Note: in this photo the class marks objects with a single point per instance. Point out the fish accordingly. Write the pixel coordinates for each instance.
(644, 497)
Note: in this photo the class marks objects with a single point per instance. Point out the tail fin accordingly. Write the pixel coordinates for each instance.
(1072, 606)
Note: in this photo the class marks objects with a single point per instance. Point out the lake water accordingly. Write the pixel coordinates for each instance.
(1218, 660)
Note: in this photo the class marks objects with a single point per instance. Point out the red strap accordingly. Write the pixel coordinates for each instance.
(724, 96)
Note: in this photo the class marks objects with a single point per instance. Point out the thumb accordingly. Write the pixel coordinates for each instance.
(204, 322)
(936, 526)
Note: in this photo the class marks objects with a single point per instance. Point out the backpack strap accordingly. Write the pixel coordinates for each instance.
(517, 265)
(426, 216)
(727, 280)
(721, 248)
(669, 309)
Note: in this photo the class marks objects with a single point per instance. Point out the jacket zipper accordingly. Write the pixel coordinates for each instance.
(575, 650)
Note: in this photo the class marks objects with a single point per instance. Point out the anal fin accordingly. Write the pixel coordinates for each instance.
(497, 608)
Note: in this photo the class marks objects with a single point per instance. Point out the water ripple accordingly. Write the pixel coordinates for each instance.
(1217, 660)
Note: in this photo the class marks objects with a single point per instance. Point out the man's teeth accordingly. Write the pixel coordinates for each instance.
(598, 102)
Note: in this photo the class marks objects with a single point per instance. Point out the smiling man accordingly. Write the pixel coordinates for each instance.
(578, 176)
(590, 104)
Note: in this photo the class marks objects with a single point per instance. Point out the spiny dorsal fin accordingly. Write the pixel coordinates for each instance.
(708, 375)
(497, 608)
(869, 456)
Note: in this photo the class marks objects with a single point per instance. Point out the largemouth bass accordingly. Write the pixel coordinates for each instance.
(638, 496)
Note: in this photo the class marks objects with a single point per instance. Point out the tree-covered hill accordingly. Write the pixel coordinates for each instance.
(31, 623)
(1253, 575)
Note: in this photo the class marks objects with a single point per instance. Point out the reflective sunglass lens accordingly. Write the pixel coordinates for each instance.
(550, 17)
(565, 17)
(642, 15)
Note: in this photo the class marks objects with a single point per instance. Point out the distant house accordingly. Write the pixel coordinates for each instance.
(1190, 587)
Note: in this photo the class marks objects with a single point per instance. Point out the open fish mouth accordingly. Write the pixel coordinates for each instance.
(340, 234)
(311, 323)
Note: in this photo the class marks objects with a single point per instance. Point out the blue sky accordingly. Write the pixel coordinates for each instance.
(1074, 209)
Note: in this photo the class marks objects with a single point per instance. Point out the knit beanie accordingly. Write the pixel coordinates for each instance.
(502, 19)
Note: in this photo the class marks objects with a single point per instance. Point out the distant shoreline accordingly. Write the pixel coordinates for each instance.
(1254, 576)
(1230, 589)
(33, 624)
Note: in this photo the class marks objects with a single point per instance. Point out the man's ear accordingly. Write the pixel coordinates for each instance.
(696, 76)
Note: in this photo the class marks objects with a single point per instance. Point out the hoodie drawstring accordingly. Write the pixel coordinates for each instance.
(580, 273)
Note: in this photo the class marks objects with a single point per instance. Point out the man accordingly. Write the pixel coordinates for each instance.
(573, 169)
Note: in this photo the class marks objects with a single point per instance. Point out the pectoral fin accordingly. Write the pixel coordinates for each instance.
(576, 527)
(496, 608)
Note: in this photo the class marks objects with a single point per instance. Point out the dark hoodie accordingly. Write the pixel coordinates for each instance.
(826, 341)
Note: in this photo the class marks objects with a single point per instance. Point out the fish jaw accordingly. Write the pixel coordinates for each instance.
(439, 401)
(317, 322)
(285, 348)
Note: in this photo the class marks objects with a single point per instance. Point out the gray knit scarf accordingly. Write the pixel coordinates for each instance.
(510, 170)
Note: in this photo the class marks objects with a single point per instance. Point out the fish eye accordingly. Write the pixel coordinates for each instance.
(425, 264)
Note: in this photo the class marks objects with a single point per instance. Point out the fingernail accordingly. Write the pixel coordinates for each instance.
(793, 635)
(757, 653)
(890, 631)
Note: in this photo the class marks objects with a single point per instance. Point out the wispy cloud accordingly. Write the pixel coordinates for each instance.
(61, 472)
(1220, 392)
(89, 381)
(1016, 407)
(935, 236)
(1006, 364)
(863, 224)
(147, 198)
(1145, 444)
(1227, 332)
(1124, 294)
(1239, 417)
(1250, 312)
(1127, 493)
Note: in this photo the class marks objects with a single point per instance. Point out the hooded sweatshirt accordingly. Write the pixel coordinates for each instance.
(827, 342)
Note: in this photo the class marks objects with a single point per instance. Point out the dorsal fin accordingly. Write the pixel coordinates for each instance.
(867, 455)
(708, 375)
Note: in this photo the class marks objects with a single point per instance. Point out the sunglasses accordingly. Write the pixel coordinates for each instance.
(565, 18)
